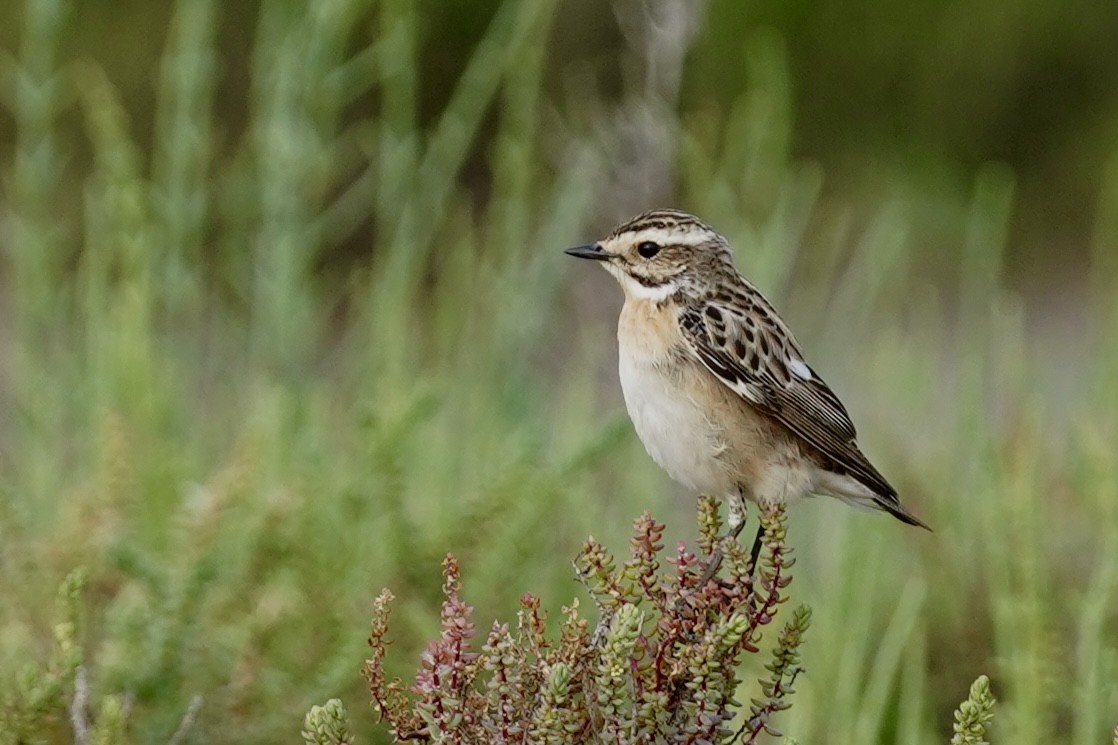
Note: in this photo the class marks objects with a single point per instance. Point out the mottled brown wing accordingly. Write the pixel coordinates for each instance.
(749, 349)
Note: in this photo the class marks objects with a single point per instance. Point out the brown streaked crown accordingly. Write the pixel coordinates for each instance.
(686, 254)
(663, 219)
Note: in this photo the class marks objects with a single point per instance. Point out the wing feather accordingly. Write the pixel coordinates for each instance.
(749, 349)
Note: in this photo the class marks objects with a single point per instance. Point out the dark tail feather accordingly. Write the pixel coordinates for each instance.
(897, 510)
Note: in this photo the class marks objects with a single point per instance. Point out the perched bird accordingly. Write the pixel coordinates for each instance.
(716, 385)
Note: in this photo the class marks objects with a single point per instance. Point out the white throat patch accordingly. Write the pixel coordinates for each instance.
(635, 289)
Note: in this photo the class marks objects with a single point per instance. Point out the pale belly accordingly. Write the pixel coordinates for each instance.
(676, 431)
(703, 434)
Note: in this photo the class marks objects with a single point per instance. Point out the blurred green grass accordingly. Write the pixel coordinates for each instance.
(249, 378)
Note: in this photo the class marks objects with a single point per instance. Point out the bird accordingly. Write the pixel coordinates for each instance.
(717, 387)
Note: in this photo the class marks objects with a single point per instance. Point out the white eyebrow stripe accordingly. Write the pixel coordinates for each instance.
(661, 236)
(799, 368)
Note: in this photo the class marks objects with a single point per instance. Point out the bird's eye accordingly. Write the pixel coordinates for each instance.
(648, 249)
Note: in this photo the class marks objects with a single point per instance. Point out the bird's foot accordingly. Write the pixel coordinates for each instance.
(736, 510)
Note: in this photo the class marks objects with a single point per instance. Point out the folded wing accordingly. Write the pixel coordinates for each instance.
(745, 345)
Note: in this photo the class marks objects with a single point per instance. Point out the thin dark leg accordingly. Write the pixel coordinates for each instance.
(734, 531)
(755, 552)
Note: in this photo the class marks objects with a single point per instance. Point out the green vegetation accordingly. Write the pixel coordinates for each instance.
(250, 376)
(659, 665)
(974, 714)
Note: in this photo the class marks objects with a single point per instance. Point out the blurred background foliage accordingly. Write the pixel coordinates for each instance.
(930, 89)
(284, 317)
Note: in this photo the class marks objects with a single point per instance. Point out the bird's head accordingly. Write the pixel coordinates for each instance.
(659, 253)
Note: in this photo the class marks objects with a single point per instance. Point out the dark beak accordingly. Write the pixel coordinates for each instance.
(591, 251)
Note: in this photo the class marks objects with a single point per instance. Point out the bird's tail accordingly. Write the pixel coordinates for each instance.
(893, 506)
(856, 494)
